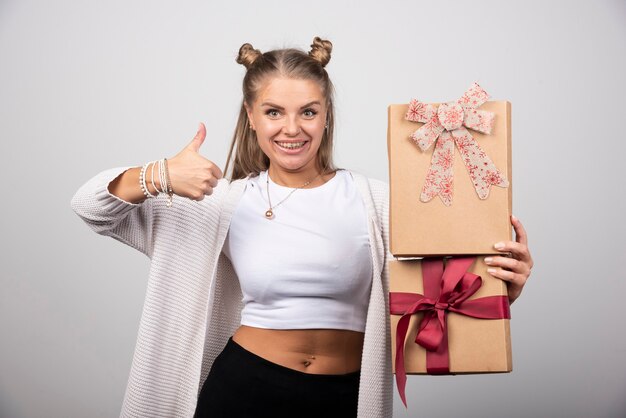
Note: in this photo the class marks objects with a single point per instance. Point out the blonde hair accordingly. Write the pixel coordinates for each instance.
(290, 63)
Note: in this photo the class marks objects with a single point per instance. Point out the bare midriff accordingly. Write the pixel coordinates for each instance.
(317, 351)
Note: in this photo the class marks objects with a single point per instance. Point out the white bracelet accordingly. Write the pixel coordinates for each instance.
(152, 179)
(142, 181)
(159, 176)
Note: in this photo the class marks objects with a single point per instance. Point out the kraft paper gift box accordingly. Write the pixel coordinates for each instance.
(438, 206)
(472, 305)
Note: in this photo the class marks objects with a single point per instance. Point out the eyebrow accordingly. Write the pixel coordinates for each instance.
(270, 104)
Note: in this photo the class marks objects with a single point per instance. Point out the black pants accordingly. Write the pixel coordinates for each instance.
(243, 384)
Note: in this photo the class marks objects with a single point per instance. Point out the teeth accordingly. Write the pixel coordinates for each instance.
(291, 145)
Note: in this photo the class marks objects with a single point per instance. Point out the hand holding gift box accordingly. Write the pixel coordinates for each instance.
(454, 319)
(428, 340)
(516, 266)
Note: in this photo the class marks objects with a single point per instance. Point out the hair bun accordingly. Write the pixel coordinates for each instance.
(320, 50)
(247, 55)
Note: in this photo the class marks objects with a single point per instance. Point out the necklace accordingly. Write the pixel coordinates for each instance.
(269, 214)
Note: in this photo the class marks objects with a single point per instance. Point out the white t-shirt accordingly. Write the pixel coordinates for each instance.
(308, 267)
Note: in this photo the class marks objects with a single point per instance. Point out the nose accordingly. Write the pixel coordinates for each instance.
(292, 126)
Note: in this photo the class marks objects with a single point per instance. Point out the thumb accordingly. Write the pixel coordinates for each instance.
(197, 140)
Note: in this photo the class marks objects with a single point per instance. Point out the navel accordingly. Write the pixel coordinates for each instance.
(308, 361)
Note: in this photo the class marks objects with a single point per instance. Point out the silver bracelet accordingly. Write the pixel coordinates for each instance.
(170, 191)
(162, 176)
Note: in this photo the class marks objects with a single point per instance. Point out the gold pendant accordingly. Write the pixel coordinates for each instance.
(269, 214)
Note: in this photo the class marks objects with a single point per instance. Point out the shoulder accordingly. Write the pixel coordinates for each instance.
(375, 194)
(378, 189)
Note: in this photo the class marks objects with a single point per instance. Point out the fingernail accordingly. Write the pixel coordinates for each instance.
(488, 260)
(491, 271)
(199, 127)
(514, 218)
(498, 245)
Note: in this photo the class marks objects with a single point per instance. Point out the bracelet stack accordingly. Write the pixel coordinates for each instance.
(164, 180)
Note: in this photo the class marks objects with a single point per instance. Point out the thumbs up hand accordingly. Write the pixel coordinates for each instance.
(192, 175)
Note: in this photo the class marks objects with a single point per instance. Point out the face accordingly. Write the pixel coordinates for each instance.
(289, 118)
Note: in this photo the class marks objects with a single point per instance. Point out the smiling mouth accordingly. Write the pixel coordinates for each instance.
(291, 145)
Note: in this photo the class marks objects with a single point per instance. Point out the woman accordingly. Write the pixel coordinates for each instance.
(270, 297)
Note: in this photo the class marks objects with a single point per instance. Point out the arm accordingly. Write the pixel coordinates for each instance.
(113, 204)
(109, 215)
(126, 185)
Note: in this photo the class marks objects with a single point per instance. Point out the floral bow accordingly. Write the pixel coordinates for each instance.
(446, 124)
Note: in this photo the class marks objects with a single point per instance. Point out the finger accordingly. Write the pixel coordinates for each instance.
(202, 193)
(520, 232)
(515, 282)
(197, 140)
(517, 250)
(212, 181)
(511, 264)
(217, 173)
(507, 276)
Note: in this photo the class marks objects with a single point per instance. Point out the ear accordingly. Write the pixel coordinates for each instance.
(249, 112)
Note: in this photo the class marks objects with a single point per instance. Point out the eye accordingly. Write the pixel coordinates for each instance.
(272, 113)
(309, 113)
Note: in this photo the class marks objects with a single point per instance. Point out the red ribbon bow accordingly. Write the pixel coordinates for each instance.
(444, 291)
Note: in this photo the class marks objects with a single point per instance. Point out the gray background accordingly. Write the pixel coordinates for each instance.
(90, 85)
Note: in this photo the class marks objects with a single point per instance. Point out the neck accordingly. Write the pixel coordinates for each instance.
(295, 178)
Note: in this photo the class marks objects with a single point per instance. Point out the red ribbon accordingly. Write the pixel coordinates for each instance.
(445, 290)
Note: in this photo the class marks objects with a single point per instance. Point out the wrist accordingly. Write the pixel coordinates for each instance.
(154, 182)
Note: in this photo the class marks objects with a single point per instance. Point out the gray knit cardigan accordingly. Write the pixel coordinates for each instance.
(193, 299)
